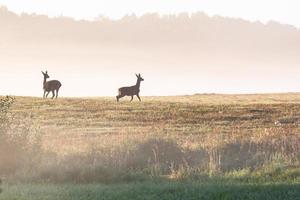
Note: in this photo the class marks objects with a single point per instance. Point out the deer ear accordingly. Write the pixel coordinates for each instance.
(139, 75)
(136, 75)
(46, 72)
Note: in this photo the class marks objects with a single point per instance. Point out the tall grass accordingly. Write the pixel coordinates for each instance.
(136, 160)
(161, 151)
(19, 147)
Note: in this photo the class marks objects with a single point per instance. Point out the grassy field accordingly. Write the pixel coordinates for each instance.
(150, 190)
(182, 147)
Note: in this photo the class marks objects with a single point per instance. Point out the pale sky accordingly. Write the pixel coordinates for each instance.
(284, 11)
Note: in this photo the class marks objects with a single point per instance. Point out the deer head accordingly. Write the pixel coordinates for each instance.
(139, 77)
(45, 75)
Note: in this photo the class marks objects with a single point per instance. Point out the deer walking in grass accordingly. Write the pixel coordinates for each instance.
(132, 90)
(50, 86)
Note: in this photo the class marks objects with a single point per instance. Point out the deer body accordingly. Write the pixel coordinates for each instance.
(50, 86)
(132, 90)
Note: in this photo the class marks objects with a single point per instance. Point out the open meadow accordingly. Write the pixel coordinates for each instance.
(206, 146)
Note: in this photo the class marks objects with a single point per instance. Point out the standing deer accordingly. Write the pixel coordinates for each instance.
(50, 86)
(132, 90)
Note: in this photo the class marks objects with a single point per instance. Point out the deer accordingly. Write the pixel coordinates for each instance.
(132, 90)
(50, 86)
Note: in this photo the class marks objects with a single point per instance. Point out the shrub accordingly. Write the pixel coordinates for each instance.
(18, 145)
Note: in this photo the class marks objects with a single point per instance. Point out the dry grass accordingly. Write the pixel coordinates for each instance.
(159, 136)
(73, 123)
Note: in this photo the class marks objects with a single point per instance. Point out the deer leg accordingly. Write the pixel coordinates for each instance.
(53, 94)
(56, 94)
(44, 94)
(47, 94)
(138, 96)
(131, 98)
(119, 97)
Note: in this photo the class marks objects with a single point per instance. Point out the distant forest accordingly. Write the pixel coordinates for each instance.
(212, 34)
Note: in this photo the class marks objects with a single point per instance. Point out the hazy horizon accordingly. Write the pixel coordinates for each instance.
(176, 54)
(283, 11)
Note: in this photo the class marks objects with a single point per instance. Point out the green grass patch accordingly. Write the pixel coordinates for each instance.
(210, 190)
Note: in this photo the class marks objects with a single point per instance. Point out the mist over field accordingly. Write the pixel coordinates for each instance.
(176, 54)
(188, 131)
